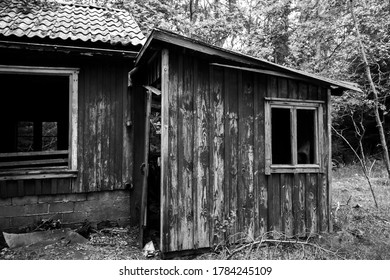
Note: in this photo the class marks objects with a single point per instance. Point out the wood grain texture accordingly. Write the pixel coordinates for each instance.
(217, 183)
(201, 155)
(259, 142)
(246, 154)
(170, 201)
(231, 148)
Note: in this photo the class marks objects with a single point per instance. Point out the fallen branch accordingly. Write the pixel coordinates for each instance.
(279, 242)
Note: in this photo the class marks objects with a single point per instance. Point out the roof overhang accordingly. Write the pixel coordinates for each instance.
(250, 63)
(66, 48)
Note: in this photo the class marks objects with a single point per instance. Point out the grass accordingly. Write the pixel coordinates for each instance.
(360, 230)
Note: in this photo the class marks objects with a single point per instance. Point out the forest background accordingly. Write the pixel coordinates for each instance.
(317, 36)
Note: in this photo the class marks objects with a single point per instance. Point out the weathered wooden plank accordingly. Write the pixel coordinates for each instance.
(293, 136)
(246, 138)
(186, 146)
(73, 119)
(145, 168)
(322, 208)
(287, 204)
(21, 190)
(34, 154)
(256, 154)
(33, 185)
(63, 185)
(298, 200)
(180, 222)
(34, 162)
(276, 209)
(217, 109)
(38, 186)
(54, 186)
(3, 189)
(303, 91)
(106, 157)
(201, 154)
(170, 181)
(259, 155)
(100, 107)
(123, 153)
(313, 92)
(292, 89)
(46, 186)
(282, 88)
(272, 86)
(118, 162)
(328, 122)
(195, 159)
(79, 183)
(231, 148)
(311, 203)
(270, 202)
(91, 129)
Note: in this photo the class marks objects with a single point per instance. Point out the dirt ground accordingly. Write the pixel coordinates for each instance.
(105, 244)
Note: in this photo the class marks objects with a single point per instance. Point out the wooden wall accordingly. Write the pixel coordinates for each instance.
(104, 142)
(215, 158)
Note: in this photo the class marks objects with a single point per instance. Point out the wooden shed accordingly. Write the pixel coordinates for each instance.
(65, 145)
(245, 145)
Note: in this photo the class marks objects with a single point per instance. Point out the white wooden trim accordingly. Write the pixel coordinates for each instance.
(37, 70)
(73, 119)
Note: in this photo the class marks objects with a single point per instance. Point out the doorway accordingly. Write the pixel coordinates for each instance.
(152, 229)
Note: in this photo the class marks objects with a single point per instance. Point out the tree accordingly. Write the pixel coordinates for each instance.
(373, 89)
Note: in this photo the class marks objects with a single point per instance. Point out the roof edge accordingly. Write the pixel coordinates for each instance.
(199, 46)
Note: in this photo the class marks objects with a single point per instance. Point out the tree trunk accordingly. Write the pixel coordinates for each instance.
(375, 93)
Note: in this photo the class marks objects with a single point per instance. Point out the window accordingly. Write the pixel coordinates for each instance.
(293, 134)
(38, 119)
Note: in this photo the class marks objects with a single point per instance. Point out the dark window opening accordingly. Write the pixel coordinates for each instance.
(34, 121)
(305, 136)
(281, 136)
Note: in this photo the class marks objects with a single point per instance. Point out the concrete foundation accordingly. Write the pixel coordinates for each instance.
(70, 209)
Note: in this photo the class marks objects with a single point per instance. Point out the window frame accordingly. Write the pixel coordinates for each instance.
(293, 105)
(72, 74)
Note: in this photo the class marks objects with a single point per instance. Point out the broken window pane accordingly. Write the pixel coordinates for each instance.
(305, 136)
(49, 136)
(25, 136)
(281, 136)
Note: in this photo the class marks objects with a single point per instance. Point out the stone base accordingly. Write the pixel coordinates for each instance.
(71, 209)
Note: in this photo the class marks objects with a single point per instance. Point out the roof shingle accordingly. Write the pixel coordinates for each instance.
(69, 21)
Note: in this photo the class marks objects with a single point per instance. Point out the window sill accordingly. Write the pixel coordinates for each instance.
(46, 173)
(307, 168)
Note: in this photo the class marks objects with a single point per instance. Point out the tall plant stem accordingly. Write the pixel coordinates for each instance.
(374, 91)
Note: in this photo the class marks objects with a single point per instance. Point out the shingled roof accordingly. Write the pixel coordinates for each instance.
(52, 20)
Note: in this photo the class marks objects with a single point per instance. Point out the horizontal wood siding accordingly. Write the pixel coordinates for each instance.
(218, 190)
(105, 157)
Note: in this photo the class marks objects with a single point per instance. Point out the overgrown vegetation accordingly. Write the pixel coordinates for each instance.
(360, 230)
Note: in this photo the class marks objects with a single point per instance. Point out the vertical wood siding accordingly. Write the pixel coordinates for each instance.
(105, 157)
(216, 159)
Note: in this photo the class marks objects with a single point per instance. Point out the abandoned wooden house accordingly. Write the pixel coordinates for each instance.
(242, 146)
(65, 145)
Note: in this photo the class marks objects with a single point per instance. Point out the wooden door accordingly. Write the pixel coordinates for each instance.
(145, 169)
